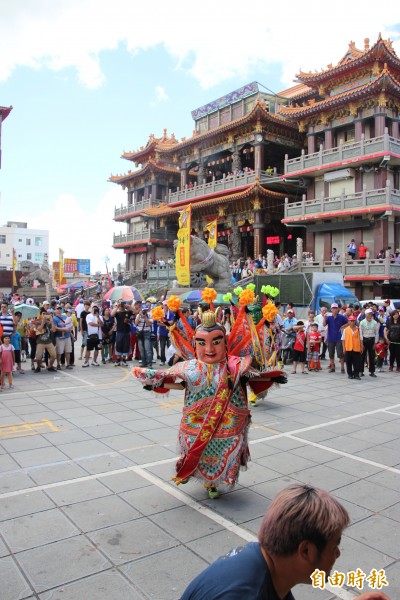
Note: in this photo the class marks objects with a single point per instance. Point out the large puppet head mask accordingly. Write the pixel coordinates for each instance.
(210, 340)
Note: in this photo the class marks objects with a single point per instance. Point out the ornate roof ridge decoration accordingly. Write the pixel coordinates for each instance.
(300, 90)
(5, 111)
(385, 78)
(382, 50)
(258, 110)
(173, 208)
(151, 166)
(153, 144)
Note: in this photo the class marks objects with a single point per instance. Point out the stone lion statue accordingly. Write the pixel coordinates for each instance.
(41, 274)
(214, 263)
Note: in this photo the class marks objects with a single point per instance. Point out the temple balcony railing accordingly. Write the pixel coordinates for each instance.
(145, 236)
(157, 273)
(124, 211)
(358, 201)
(224, 184)
(349, 151)
(368, 267)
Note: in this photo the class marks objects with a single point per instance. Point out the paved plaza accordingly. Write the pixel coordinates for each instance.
(88, 511)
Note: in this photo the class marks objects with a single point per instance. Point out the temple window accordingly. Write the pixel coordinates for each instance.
(345, 136)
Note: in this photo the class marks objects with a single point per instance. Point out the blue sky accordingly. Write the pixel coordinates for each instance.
(90, 79)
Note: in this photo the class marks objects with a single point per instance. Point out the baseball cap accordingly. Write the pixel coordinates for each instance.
(351, 318)
(369, 311)
(290, 310)
(164, 302)
(68, 310)
(81, 301)
(334, 305)
(145, 306)
(46, 302)
(381, 308)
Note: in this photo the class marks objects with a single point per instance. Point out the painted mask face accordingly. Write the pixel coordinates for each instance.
(210, 346)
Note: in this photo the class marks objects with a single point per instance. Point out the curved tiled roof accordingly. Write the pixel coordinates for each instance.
(5, 111)
(382, 50)
(171, 209)
(384, 80)
(258, 110)
(151, 166)
(153, 143)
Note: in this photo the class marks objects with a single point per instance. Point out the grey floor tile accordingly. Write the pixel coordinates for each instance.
(89, 421)
(30, 442)
(380, 454)
(107, 430)
(379, 532)
(101, 512)
(84, 449)
(127, 441)
(212, 546)
(123, 482)
(368, 495)
(185, 524)
(286, 463)
(133, 540)
(323, 476)
(356, 555)
(241, 504)
(37, 529)
(78, 491)
(26, 504)
(7, 464)
(156, 575)
(393, 578)
(151, 500)
(353, 467)
(11, 482)
(393, 512)
(61, 562)
(4, 551)
(48, 455)
(13, 583)
(104, 464)
(103, 586)
(43, 475)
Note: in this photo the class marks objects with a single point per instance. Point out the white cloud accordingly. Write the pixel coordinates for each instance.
(213, 44)
(161, 94)
(81, 232)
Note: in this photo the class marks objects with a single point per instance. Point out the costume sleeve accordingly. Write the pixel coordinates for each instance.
(154, 379)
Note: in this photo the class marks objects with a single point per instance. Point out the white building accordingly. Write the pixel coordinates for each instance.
(29, 244)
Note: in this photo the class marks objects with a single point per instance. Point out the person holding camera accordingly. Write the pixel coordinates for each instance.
(44, 328)
(144, 325)
(94, 324)
(123, 315)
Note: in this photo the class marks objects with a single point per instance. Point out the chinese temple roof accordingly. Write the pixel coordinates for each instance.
(153, 144)
(259, 111)
(384, 82)
(381, 51)
(5, 111)
(164, 210)
(151, 166)
(296, 91)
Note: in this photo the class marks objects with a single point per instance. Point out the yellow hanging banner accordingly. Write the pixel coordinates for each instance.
(212, 229)
(61, 259)
(182, 262)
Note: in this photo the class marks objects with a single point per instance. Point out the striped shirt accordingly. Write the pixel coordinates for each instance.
(7, 322)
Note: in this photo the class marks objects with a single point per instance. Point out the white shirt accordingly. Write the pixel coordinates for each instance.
(91, 328)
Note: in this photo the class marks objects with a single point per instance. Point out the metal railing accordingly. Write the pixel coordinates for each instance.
(123, 211)
(358, 200)
(367, 267)
(343, 152)
(124, 238)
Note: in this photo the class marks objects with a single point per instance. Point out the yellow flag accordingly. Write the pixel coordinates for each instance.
(14, 266)
(61, 259)
(212, 229)
(182, 262)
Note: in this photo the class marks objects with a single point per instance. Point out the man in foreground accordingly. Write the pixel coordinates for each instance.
(300, 533)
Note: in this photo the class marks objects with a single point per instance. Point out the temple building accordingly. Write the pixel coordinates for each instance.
(318, 161)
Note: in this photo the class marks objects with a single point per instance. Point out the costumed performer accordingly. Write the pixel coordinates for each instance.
(213, 430)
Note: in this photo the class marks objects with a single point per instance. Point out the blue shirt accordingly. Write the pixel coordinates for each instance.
(15, 340)
(242, 574)
(334, 324)
(59, 322)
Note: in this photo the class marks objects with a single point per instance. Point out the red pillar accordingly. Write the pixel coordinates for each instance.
(310, 242)
(381, 237)
(327, 245)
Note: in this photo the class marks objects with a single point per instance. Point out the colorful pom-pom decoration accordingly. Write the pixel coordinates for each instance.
(246, 297)
(238, 290)
(251, 286)
(174, 303)
(157, 313)
(209, 294)
(269, 311)
(227, 297)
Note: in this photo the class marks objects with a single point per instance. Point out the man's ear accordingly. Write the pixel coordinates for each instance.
(308, 552)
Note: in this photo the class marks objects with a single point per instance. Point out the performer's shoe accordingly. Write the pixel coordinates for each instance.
(213, 493)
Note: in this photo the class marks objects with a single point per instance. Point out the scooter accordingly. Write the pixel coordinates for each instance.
(287, 347)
